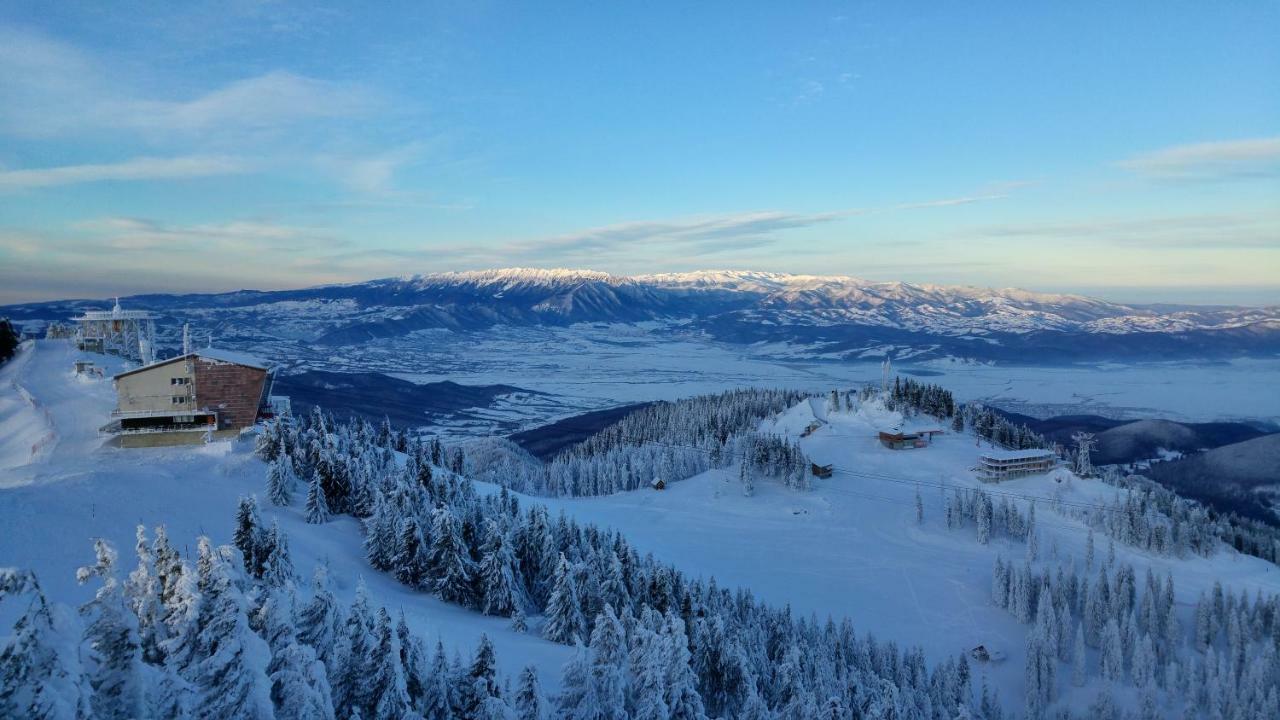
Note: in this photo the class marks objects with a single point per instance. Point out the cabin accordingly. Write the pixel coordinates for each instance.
(900, 440)
(658, 484)
(820, 471)
(204, 393)
(997, 465)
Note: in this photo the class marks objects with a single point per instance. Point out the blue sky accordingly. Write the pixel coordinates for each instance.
(1125, 150)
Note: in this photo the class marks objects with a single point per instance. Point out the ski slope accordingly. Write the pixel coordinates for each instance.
(851, 547)
(51, 507)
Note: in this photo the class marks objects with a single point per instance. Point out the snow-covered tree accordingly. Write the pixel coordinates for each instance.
(317, 503)
(40, 673)
(230, 671)
(280, 481)
(451, 563)
(115, 668)
(529, 701)
(565, 623)
(498, 573)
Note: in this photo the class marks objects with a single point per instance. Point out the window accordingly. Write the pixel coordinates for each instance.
(179, 381)
(179, 400)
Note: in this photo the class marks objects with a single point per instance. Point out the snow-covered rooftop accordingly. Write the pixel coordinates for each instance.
(1030, 454)
(232, 356)
(229, 356)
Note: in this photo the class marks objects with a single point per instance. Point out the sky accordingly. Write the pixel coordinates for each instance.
(1129, 151)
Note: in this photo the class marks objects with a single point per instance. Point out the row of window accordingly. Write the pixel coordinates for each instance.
(179, 400)
(180, 381)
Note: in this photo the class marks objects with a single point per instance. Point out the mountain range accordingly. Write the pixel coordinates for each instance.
(834, 317)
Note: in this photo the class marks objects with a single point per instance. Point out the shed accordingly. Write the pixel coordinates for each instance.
(658, 484)
(821, 471)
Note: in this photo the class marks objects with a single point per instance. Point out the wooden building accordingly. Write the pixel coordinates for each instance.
(820, 471)
(184, 398)
(997, 465)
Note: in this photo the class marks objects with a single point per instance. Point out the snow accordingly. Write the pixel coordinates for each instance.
(851, 546)
(232, 356)
(52, 508)
(1016, 454)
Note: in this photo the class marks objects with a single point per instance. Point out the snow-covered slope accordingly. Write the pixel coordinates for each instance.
(52, 507)
(850, 547)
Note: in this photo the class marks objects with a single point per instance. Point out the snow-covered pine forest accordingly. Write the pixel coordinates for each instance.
(235, 636)
(665, 441)
(236, 631)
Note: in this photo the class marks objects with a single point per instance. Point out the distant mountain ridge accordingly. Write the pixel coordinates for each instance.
(844, 316)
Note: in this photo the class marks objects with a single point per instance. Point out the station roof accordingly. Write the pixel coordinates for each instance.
(228, 356)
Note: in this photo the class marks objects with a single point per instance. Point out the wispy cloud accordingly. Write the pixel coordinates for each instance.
(254, 238)
(1224, 160)
(143, 168)
(1240, 231)
(54, 89)
(706, 235)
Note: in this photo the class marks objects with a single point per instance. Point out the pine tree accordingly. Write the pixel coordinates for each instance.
(348, 672)
(1112, 662)
(280, 481)
(919, 507)
(607, 683)
(437, 700)
(386, 688)
(320, 623)
(498, 573)
(565, 623)
(116, 672)
(40, 673)
(479, 694)
(230, 675)
(277, 566)
(1078, 660)
(248, 527)
(299, 685)
(317, 504)
(746, 477)
(411, 563)
(682, 699)
(529, 703)
(143, 593)
(450, 560)
(380, 540)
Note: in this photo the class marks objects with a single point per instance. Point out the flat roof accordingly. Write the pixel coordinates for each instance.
(1030, 454)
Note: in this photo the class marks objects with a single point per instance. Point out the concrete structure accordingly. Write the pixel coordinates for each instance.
(184, 398)
(997, 465)
(128, 333)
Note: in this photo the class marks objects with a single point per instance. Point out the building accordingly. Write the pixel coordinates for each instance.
(899, 440)
(128, 333)
(183, 399)
(820, 471)
(997, 465)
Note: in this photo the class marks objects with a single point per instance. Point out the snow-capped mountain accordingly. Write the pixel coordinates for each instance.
(844, 316)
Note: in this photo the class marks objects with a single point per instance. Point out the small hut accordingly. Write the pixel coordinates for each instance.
(821, 471)
(658, 484)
